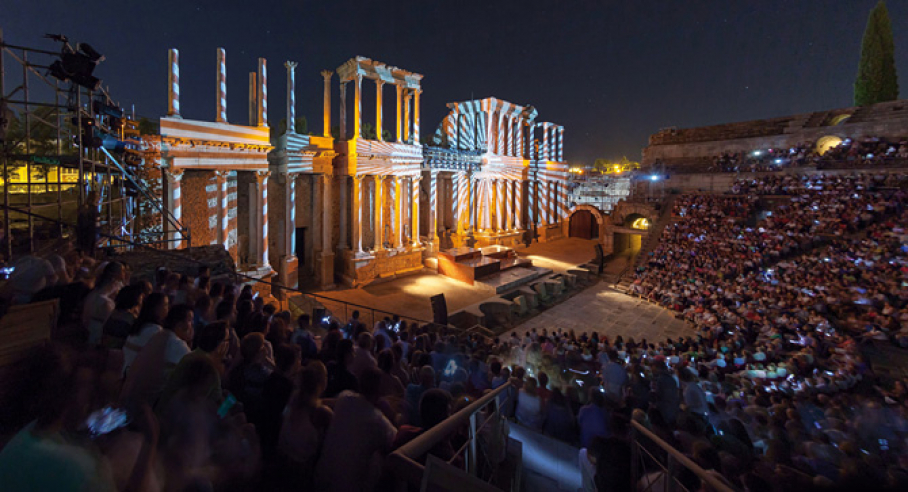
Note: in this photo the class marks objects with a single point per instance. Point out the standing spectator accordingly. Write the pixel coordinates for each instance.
(339, 376)
(305, 423)
(593, 418)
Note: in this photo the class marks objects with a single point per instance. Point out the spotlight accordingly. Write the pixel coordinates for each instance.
(654, 178)
(76, 65)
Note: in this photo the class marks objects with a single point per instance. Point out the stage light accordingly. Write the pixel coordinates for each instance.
(76, 65)
(654, 178)
(758, 153)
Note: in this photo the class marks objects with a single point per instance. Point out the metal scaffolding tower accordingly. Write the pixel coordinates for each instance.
(47, 124)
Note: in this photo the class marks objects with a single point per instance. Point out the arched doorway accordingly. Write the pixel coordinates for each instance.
(584, 225)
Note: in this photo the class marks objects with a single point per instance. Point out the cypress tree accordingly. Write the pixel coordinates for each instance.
(877, 80)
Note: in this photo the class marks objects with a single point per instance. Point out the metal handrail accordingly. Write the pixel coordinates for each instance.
(404, 460)
(675, 458)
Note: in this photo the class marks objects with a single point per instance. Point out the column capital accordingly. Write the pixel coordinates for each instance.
(327, 74)
(173, 173)
(222, 174)
(290, 65)
(261, 176)
(379, 82)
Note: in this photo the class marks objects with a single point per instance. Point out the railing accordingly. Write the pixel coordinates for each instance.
(405, 460)
(643, 462)
(339, 306)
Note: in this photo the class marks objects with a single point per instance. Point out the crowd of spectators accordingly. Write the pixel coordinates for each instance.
(785, 304)
(850, 153)
(190, 383)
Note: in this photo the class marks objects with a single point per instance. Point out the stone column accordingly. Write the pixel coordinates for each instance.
(471, 203)
(253, 100)
(379, 226)
(416, 94)
(291, 96)
(174, 178)
(406, 120)
(223, 217)
(222, 86)
(512, 140)
(501, 201)
(263, 93)
(173, 83)
(343, 111)
(357, 106)
(519, 187)
(414, 212)
(327, 266)
(400, 210)
(357, 209)
(462, 219)
(399, 122)
(326, 116)
(378, 108)
(485, 203)
(509, 204)
(261, 196)
(531, 140)
(521, 146)
(560, 144)
(342, 215)
(434, 205)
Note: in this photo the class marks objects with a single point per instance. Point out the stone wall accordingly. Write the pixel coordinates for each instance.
(243, 182)
(199, 201)
(692, 145)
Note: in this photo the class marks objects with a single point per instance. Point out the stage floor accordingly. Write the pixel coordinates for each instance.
(410, 295)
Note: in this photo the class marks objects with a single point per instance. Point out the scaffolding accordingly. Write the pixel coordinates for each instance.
(43, 125)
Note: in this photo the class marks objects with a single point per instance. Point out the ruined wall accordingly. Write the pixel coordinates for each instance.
(199, 202)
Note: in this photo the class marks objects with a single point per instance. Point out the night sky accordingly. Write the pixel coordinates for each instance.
(611, 72)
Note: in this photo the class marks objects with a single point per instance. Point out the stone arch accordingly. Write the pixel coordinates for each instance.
(624, 209)
(601, 221)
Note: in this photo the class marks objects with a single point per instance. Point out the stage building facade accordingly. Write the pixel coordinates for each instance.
(318, 210)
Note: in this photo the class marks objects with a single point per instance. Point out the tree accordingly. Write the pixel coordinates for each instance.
(877, 80)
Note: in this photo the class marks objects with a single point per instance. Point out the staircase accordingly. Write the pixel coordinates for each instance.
(652, 239)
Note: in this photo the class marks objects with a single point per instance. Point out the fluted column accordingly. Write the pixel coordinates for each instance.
(253, 100)
(357, 106)
(342, 215)
(416, 95)
(222, 86)
(434, 205)
(509, 203)
(378, 204)
(223, 219)
(262, 93)
(414, 211)
(400, 209)
(399, 122)
(343, 111)
(173, 83)
(174, 203)
(532, 154)
(291, 96)
(512, 139)
(406, 120)
(471, 204)
(327, 205)
(378, 108)
(519, 199)
(561, 144)
(261, 211)
(326, 105)
(462, 219)
(357, 215)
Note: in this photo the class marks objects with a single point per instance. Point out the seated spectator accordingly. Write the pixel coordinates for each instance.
(127, 304)
(339, 376)
(157, 359)
(415, 391)
(593, 418)
(154, 310)
(360, 435)
(305, 423)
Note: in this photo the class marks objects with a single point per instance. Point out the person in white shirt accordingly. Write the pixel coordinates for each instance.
(154, 310)
(357, 439)
(99, 303)
(151, 368)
